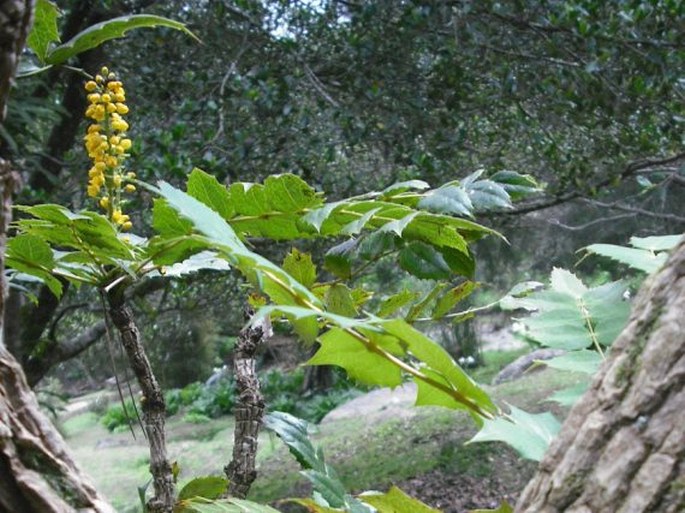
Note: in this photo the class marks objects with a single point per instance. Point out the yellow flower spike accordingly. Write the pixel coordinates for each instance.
(107, 145)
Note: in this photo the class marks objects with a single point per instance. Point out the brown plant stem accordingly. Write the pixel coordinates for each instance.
(249, 411)
(153, 406)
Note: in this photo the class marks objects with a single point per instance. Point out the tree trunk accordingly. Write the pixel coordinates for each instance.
(622, 448)
(37, 475)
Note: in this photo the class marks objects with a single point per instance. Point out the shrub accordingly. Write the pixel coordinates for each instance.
(116, 417)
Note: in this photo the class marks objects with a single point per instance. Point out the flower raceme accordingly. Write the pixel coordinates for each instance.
(107, 145)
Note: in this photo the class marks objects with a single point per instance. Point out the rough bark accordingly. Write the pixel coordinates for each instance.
(37, 474)
(153, 405)
(622, 448)
(249, 411)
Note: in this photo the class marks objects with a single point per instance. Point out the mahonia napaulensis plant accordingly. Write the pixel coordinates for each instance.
(107, 145)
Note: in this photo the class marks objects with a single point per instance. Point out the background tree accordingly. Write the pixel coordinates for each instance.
(622, 447)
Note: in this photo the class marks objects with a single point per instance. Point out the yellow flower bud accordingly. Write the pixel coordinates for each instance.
(93, 191)
(111, 108)
(104, 71)
(120, 97)
(106, 98)
(94, 97)
(91, 86)
(126, 144)
(111, 76)
(130, 188)
(130, 175)
(104, 202)
(122, 108)
(116, 180)
(120, 125)
(127, 225)
(111, 161)
(99, 79)
(115, 139)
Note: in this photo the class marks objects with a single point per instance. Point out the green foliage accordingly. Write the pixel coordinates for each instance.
(44, 30)
(209, 487)
(118, 416)
(202, 505)
(395, 501)
(529, 434)
(571, 316)
(216, 400)
(646, 254)
(44, 33)
(329, 492)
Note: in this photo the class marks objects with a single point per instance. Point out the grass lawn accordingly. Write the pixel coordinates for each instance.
(365, 456)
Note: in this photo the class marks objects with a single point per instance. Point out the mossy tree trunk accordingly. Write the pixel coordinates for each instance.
(622, 447)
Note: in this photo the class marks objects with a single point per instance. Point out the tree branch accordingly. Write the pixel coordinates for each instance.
(249, 411)
(153, 406)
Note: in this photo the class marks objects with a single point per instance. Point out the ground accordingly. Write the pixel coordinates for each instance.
(373, 442)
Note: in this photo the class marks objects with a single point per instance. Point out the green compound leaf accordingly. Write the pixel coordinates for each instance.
(167, 222)
(209, 487)
(422, 261)
(44, 30)
(328, 489)
(518, 186)
(437, 360)
(31, 255)
(570, 316)
(453, 296)
(339, 300)
(205, 188)
(294, 433)
(648, 254)
(529, 434)
(390, 305)
(111, 29)
(576, 361)
(656, 243)
(569, 396)
(396, 501)
(201, 505)
(339, 347)
(450, 199)
(300, 266)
